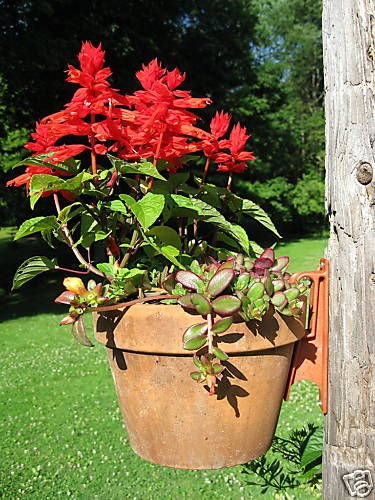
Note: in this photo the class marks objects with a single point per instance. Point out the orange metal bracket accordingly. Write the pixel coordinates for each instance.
(310, 356)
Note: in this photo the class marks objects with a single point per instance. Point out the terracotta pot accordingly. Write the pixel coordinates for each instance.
(170, 418)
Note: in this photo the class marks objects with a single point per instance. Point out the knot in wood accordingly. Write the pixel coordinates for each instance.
(364, 173)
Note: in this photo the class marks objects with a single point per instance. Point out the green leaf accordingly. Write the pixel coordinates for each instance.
(107, 268)
(204, 211)
(195, 337)
(188, 279)
(279, 300)
(40, 183)
(143, 168)
(117, 206)
(37, 160)
(147, 210)
(185, 301)
(90, 231)
(69, 212)
(168, 251)
(257, 249)
(256, 291)
(177, 180)
(196, 376)
(310, 457)
(226, 305)
(242, 281)
(220, 354)
(254, 211)
(70, 165)
(222, 325)
(202, 305)
(152, 206)
(219, 282)
(216, 368)
(291, 293)
(166, 235)
(31, 268)
(36, 225)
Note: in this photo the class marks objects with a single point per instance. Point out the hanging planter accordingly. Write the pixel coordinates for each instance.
(227, 311)
(170, 420)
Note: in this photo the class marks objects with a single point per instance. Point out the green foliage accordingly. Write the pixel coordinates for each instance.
(31, 268)
(36, 225)
(301, 465)
(222, 291)
(308, 198)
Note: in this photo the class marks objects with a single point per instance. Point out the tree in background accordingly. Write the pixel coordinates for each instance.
(285, 110)
(260, 60)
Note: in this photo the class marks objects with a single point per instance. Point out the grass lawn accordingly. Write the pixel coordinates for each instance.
(61, 433)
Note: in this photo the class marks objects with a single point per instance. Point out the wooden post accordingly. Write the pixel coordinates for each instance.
(349, 65)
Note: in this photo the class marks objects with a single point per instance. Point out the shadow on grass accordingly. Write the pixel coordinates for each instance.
(36, 296)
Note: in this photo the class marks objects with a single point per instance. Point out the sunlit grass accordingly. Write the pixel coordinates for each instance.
(61, 432)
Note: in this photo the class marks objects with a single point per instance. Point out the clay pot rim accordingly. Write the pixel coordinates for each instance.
(158, 328)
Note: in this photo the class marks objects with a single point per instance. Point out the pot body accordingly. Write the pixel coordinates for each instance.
(171, 420)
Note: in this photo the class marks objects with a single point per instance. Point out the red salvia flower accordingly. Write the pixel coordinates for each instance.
(234, 161)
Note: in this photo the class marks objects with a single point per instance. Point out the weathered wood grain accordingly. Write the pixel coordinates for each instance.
(349, 66)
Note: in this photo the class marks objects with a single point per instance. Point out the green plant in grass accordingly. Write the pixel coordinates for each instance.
(293, 461)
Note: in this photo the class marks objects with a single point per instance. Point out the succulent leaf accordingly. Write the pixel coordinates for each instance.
(188, 279)
(219, 282)
(242, 281)
(281, 264)
(278, 285)
(256, 291)
(267, 253)
(197, 362)
(268, 285)
(198, 376)
(216, 369)
(279, 300)
(220, 354)
(228, 264)
(201, 303)
(195, 343)
(194, 331)
(226, 305)
(292, 293)
(186, 302)
(222, 325)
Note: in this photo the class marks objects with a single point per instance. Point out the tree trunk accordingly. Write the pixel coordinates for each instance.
(349, 65)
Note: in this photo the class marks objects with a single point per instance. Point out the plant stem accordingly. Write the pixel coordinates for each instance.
(70, 242)
(230, 178)
(205, 172)
(157, 152)
(92, 143)
(131, 249)
(59, 268)
(131, 303)
(209, 333)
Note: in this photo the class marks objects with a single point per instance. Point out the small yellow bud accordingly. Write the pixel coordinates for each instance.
(75, 285)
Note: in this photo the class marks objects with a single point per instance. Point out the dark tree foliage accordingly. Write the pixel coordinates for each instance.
(208, 39)
(260, 60)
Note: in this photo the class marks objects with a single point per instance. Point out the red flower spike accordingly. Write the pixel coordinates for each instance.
(234, 161)
(219, 124)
